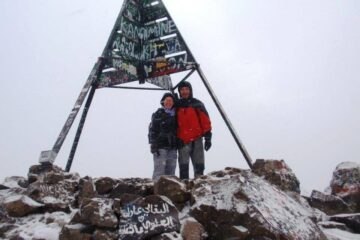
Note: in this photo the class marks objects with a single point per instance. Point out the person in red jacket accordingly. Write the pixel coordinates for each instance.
(193, 125)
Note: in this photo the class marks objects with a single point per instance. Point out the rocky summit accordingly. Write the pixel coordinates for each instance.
(259, 204)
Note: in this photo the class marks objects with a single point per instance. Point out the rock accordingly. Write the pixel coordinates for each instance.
(76, 232)
(104, 235)
(333, 225)
(136, 186)
(345, 183)
(329, 204)
(243, 199)
(53, 177)
(168, 236)
(104, 185)
(20, 206)
(3, 187)
(98, 212)
(37, 172)
(193, 230)
(5, 228)
(174, 189)
(55, 197)
(352, 221)
(148, 217)
(278, 173)
(53, 187)
(14, 182)
(86, 189)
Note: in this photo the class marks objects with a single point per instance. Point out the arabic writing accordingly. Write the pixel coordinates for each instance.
(132, 210)
(146, 226)
(144, 219)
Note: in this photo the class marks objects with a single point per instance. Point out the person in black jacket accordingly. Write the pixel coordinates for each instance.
(162, 137)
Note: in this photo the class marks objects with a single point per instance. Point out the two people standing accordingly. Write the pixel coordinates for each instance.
(186, 122)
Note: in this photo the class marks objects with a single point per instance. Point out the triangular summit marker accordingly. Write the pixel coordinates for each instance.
(146, 46)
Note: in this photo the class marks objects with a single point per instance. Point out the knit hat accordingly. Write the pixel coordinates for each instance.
(185, 84)
(165, 96)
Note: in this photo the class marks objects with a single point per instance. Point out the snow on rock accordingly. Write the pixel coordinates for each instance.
(329, 204)
(38, 226)
(345, 183)
(352, 221)
(14, 182)
(98, 212)
(278, 173)
(21, 205)
(243, 198)
(174, 189)
(337, 234)
(347, 165)
(226, 204)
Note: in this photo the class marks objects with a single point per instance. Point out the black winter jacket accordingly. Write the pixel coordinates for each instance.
(162, 130)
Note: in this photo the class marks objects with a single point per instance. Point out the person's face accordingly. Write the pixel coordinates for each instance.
(168, 102)
(185, 92)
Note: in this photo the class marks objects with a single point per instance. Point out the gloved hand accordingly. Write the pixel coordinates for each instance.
(154, 149)
(207, 144)
(207, 137)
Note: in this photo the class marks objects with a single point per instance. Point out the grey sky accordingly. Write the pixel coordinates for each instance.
(286, 72)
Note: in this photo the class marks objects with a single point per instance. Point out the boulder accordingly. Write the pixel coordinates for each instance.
(14, 182)
(278, 173)
(21, 205)
(5, 228)
(137, 186)
(174, 189)
(329, 204)
(168, 236)
(148, 217)
(104, 235)
(87, 190)
(333, 225)
(37, 172)
(99, 213)
(76, 232)
(345, 183)
(56, 196)
(193, 230)
(104, 185)
(53, 177)
(352, 221)
(239, 202)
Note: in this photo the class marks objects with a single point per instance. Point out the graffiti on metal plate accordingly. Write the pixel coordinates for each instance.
(145, 44)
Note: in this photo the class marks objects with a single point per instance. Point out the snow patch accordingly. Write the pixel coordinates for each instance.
(347, 165)
(337, 234)
(23, 198)
(12, 182)
(36, 226)
(241, 228)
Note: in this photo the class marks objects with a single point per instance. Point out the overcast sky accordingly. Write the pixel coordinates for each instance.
(286, 72)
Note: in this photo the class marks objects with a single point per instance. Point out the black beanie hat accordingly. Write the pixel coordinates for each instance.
(165, 96)
(185, 84)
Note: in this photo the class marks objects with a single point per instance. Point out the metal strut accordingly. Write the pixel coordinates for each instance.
(224, 116)
(80, 128)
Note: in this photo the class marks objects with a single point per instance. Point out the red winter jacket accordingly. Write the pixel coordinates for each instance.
(193, 120)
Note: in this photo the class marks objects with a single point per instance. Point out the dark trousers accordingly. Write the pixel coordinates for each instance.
(195, 151)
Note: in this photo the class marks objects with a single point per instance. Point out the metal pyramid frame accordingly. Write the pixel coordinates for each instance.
(146, 46)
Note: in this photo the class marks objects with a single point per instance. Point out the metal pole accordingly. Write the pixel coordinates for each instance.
(226, 119)
(80, 128)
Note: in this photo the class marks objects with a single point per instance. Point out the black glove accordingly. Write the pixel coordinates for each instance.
(207, 145)
(154, 149)
(207, 137)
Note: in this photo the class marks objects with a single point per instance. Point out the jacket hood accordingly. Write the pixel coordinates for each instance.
(165, 96)
(185, 84)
